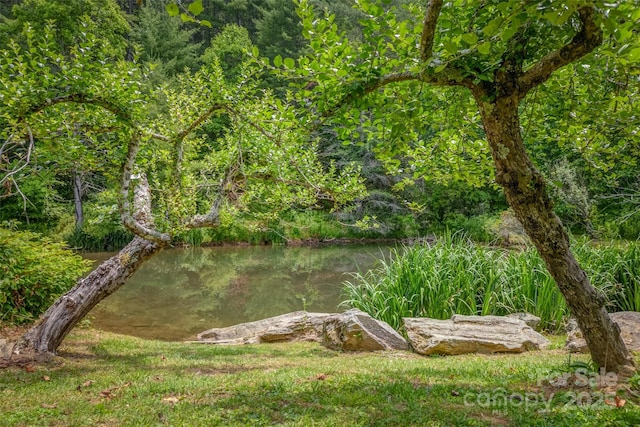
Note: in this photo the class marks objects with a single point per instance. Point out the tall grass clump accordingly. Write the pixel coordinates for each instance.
(614, 268)
(454, 276)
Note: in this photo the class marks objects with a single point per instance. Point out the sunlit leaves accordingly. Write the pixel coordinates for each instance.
(195, 7)
(289, 63)
(188, 12)
(172, 9)
(477, 40)
(37, 75)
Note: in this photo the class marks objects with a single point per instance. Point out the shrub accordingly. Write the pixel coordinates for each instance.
(34, 272)
(477, 228)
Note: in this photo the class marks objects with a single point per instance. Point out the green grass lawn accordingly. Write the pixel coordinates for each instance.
(101, 379)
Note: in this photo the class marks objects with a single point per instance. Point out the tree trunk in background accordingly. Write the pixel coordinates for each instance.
(77, 199)
(525, 191)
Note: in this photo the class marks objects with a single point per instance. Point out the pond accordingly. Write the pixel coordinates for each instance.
(182, 292)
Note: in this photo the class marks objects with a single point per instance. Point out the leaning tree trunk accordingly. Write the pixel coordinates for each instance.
(54, 325)
(525, 192)
(68, 310)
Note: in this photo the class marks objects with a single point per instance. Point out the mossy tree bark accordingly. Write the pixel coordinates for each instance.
(498, 86)
(525, 191)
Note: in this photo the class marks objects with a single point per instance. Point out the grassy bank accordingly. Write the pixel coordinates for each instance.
(107, 380)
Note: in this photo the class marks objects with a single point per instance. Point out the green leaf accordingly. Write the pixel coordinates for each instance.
(492, 26)
(634, 54)
(172, 9)
(186, 18)
(255, 51)
(277, 61)
(289, 63)
(470, 38)
(450, 47)
(484, 48)
(206, 23)
(440, 68)
(196, 7)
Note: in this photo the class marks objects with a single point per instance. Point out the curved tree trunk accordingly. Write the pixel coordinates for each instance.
(54, 325)
(525, 191)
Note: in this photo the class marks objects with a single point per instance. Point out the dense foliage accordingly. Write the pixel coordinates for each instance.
(73, 197)
(34, 272)
(455, 276)
(596, 195)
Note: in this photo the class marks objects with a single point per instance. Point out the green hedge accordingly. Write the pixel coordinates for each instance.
(34, 271)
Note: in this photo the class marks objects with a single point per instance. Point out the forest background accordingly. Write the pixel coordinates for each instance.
(595, 194)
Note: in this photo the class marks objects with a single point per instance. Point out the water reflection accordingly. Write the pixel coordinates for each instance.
(181, 292)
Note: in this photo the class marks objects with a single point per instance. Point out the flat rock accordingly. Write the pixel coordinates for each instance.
(628, 321)
(355, 330)
(296, 326)
(528, 318)
(472, 334)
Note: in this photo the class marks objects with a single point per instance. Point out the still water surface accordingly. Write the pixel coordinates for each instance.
(182, 292)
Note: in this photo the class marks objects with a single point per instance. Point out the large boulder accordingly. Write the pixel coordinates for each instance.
(355, 330)
(628, 321)
(296, 326)
(472, 334)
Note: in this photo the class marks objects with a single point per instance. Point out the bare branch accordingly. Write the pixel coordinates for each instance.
(429, 29)
(158, 136)
(10, 174)
(585, 41)
(450, 76)
(197, 122)
(5, 144)
(212, 218)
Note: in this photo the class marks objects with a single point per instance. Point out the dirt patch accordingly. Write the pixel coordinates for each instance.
(493, 419)
(13, 332)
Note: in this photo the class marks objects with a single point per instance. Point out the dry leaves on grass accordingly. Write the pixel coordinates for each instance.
(110, 393)
(85, 384)
(171, 400)
(47, 406)
(617, 401)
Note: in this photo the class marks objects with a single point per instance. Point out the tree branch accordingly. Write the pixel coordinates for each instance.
(450, 76)
(178, 140)
(81, 98)
(9, 175)
(367, 88)
(212, 218)
(131, 223)
(585, 41)
(429, 29)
